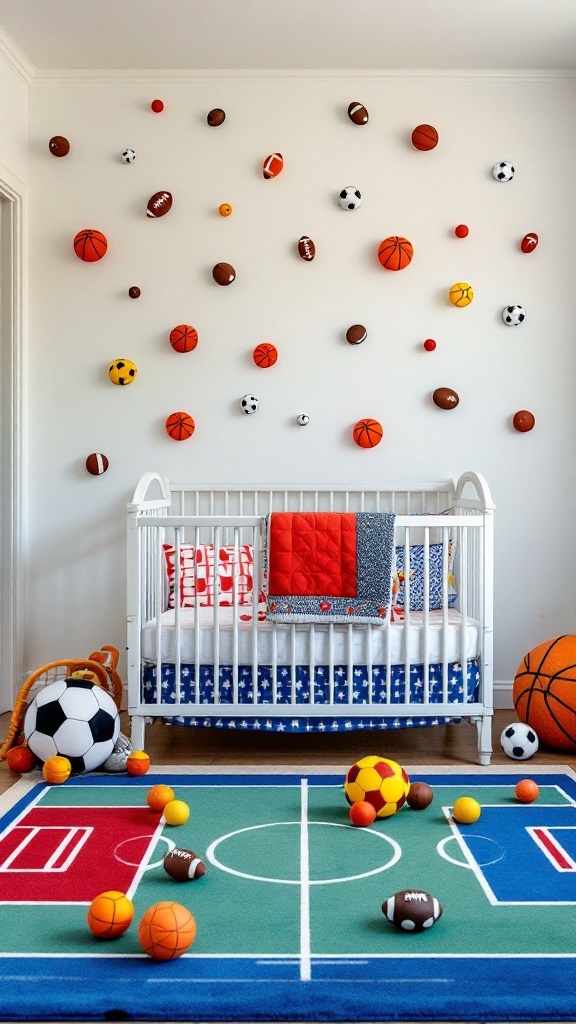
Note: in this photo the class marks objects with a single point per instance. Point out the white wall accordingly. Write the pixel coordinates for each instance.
(81, 316)
(14, 81)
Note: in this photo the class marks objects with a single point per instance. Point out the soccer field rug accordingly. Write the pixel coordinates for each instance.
(289, 920)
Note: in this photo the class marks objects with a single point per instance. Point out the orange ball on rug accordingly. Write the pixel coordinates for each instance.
(545, 692)
(137, 762)
(166, 931)
(20, 759)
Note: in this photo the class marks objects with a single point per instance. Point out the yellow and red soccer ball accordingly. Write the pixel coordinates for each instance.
(379, 781)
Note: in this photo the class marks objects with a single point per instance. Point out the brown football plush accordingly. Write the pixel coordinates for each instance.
(184, 865)
(420, 795)
(159, 204)
(412, 910)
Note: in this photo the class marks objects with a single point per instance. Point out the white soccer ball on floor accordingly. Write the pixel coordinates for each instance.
(75, 718)
(519, 741)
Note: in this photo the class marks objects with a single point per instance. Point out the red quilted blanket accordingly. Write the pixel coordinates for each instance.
(328, 566)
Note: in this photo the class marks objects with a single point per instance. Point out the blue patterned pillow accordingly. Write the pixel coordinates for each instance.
(436, 554)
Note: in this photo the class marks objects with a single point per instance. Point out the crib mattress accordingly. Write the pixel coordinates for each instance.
(442, 644)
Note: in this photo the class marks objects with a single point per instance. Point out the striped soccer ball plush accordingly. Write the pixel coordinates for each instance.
(74, 718)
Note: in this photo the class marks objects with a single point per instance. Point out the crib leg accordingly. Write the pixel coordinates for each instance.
(137, 733)
(484, 729)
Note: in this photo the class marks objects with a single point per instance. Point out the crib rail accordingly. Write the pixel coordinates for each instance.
(450, 526)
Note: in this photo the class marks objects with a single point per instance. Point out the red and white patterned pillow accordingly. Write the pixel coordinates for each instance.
(235, 570)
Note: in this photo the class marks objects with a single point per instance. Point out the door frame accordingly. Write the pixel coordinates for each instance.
(12, 512)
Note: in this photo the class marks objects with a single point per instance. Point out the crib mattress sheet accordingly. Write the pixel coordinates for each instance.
(441, 643)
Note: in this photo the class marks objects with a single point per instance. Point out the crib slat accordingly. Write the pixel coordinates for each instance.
(444, 615)
(426, 619)
(196, 621)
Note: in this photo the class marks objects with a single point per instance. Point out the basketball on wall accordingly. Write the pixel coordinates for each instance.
(90, 245)
(265, 355)
(545, 692)
(184, 338)
(425, 137)
(395, 253)
(367, 433)
(180, 426)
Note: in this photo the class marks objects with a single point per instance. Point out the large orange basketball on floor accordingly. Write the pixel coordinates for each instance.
(545, 692)
(180, 426)
(265, 355)
(425, 137)
(90, 245)
(395, 253)
(184, 338)
(110, 914)
(166, 931)
(368, 433)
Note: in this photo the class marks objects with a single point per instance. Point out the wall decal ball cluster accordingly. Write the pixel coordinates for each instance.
(395, 253)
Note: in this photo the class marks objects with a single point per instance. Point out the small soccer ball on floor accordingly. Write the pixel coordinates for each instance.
(184, 865)
(466, 810)
(110, 914)
(527, 791)
(362, 813)
(137, 762)
(20, 759)
(159, 796)
(166, 931)
(176, 812)
(380, 781)
(519, 741)
(420, 795)
(56, 770)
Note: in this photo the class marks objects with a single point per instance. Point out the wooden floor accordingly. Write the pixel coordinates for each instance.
(440, 745)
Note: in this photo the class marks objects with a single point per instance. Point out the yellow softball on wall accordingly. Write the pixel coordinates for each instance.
(122, 371)
(461, 294)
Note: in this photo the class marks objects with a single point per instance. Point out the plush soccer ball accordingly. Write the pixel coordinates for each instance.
(350, 198)
(128, 156)
(303, 420)
(380, 781)
(519, 741)
(513, 316)
(122, 371)
(74, 718)
(503, 171)
(249, 404)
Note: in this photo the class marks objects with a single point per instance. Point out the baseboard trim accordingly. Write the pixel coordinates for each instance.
(503, 694)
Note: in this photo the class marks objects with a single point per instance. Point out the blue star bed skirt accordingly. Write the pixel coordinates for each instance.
(459, 691)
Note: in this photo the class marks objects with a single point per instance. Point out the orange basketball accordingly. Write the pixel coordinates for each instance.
(368, 433)
(20, 759)
(90, 245)
(184, 338)
(545, 692)
(159, 796)
(166, 931)
(424, 137)
(395, 253)
(180, 426)
(110, 914)
(265, 355)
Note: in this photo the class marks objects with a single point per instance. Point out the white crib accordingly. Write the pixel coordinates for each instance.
(429, 663)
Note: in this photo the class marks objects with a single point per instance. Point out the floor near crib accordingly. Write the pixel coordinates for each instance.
(439, 745)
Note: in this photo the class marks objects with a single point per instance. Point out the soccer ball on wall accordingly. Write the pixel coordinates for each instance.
(519, 741)
(503, 171)
(380, 781)
(128, 156)
(74, 718)
(350, 198)
(513, 316)
(249, 404)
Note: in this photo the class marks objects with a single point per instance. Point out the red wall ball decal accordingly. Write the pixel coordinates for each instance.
(395, 253)
(272, 165)
(424, 137)
(216, 117)
(134, 292)
(356, 334)
(445, 398)
(265, 355)
(529, 242)
(223, 273)
(461, 231)
(159, 204)
(157, 106)
(90, 245)
(96, 464)
(523, 421)
(59, 146)
(180, 426)
(429, 344)
(367, 433)
(184, 338)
